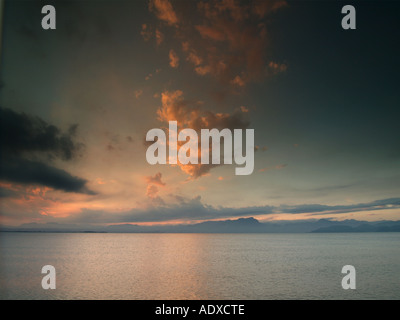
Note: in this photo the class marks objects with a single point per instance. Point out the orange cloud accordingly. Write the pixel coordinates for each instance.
(152, 191)
(211, 33)
(138, 93)
(277, 67)
(238, 81)
(156, 179)
(33, 201)
(175, 108)
(100, 181)
(173, 59)
(236, 25)
(164, 11)
(263, 7)
(159, 37)
(194, 58)
(228, 41)
(203, 70)
(146, 32)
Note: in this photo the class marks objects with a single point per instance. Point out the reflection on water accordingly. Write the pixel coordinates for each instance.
(199, 266)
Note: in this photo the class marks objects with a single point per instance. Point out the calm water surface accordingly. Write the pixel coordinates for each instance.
(199, 266)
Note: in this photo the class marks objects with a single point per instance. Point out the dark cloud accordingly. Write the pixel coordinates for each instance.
(25, 171)
(24, 140)
(23, 134)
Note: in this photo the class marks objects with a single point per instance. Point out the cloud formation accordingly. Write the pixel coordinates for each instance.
(22, 134)
(227, 40)
(156, 179)
(320, 208)
(152, 191)
(190, 115)
(191, 209)
(29, 143)
(25, 171)
(164, 11)
(173, 59)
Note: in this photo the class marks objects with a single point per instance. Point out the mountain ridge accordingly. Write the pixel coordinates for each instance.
(240, 225)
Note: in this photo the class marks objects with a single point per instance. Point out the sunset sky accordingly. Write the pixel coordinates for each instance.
(77, 102)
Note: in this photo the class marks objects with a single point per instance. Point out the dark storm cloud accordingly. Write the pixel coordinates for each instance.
(33, 172)
(24, 139)
(21, 134)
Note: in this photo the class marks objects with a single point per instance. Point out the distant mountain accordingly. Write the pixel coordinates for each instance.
(122, 228)
(384, 226)
(241, 225)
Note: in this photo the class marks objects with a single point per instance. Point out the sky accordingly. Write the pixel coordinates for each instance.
(76, 104)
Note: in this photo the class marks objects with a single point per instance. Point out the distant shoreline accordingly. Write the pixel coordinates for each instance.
(240, 225)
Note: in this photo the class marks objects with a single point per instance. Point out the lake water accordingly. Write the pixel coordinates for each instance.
(199, 266)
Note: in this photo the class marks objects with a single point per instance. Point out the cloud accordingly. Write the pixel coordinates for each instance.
(23, 134)
(232, 41)
(263, 7)
(159, 37)
(156, 179)
(194, 58)
(28, 143)
(194, 209)
(7, 192)
(189, 115)
(152, 191)
(146, 32)
(164, 11)
(182, 209)
(276, 68)
(138, 93)
(327, 209)
(238, 81)
(173, 59)
(226, 39)
(25, 171)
